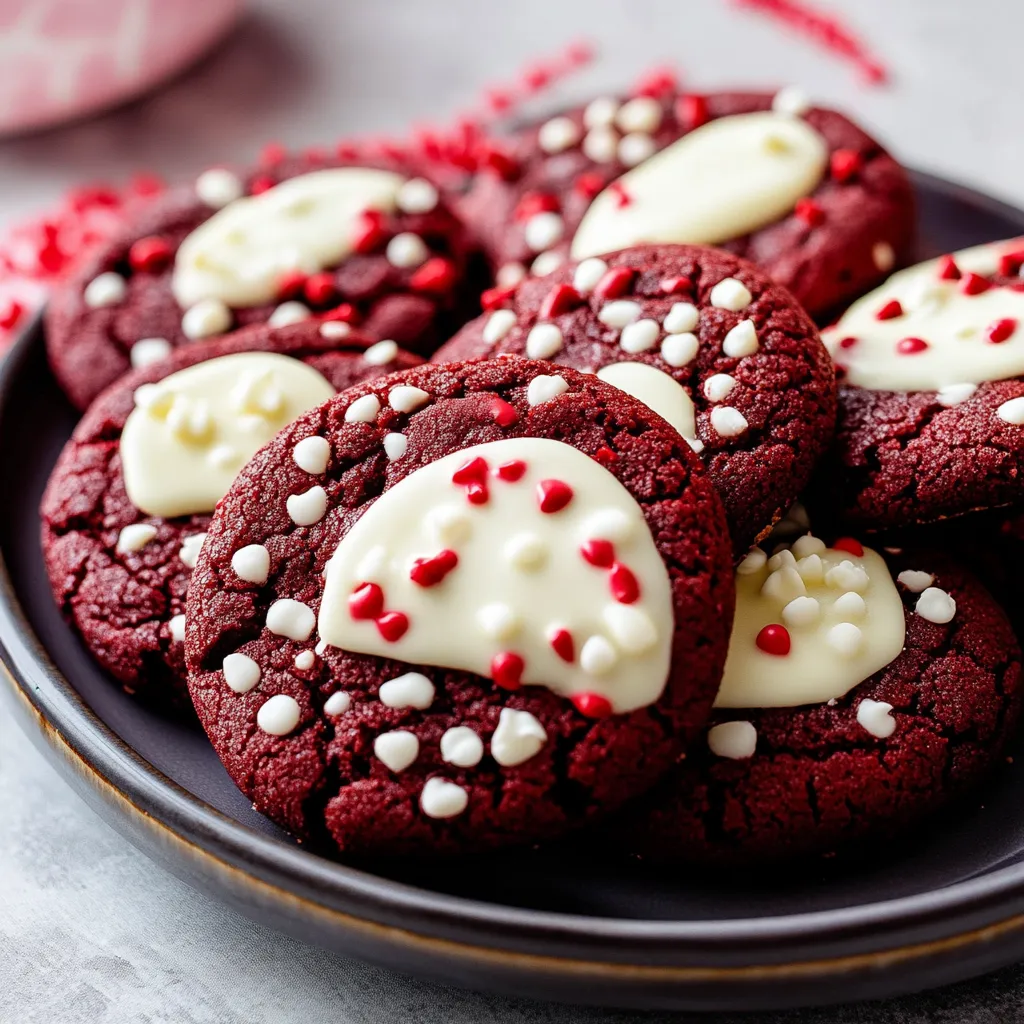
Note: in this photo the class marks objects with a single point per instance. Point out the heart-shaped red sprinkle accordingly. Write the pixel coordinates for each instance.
(366, 601)
(553, 495)
(392, 626)
(428, 572)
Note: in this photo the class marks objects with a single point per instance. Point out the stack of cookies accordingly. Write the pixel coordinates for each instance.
(563, 574)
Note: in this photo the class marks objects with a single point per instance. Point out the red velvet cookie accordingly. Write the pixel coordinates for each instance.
(931, 395)
(508, 617)
(799, 190)
(707, 341)
(812, 747)
(371, 245)
(119, 573)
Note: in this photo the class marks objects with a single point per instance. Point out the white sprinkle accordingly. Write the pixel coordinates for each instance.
(850, 607)
(808, 545)
(311, 454)
(620, 313)
(801, 611)
(752, 562)
(727, 421)
(442, 799)
(597, 656)
(518, 737)
(217, 187)
(396, 750)
(601, 111)
(411, 690)
(791, 100)
(845, 638)
(681, 318)
(279, 715)
(382, 353)
(406, 250)
(601, 144)
(334, 330)
(147, 351)
(731, 294)
(642, 114)
(461, 746)
(954, 394)
(546, 263)
(847, 576)
(741, 340)
(526, 551)
(308, 507)
(252, 563)
(734, 740)
(639, 336)
(544, 341)
(884, 256)
(936, 605)
(105, 290)
(874, 716)
(305, 660)
(1012, 411)
(588, 274)
(288, 313)
(544, 387)
(718, 386)
(508, 275)
(206, 318)
(405, 398)
(631, 627)
(135, 537)
(679, 349)
(363, 410)
(338, 703)
(395, 445)
(291, 619)
(915, 580)
(499, 323)
(635, 148)
(241, 673)
(558, 134)
(498, 621)
(416, 195)
(190, 548)
(543, 230)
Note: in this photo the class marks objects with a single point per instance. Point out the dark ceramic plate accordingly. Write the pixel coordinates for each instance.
(568, 924)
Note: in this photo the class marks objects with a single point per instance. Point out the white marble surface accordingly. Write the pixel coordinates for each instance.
(90, 931)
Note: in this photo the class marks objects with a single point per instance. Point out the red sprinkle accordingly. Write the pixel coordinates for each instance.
(149, 254)
(614, 282)
(319, 288)
(589, 184)
(507, 670)
(500, 163)
(847, 342)
(366, 601)
(974, 284)
(560, 299)
(948, 270)
(850, 545)
(562, 642)
(428, 572)
(774, 639)
(10, 313)
(1001, 330)
(533, 203)
(845, 164)
(1010, 263)
(260, 184)
(511, 471)
(392, 626)
(911, 346)
(675, 285)
(503, 414)
(592, 705)
(474, 471)
(494, 298)
(624, 586)
(692, 111)
(605, 456)
(622, 197)
(810, 212)
(553, 495)
(599, 553)
(477, 494)
(436, 276)
(890, 310)
(290, 283)
(345, 312)
(272, 153)
(657, 83)
(370, 233)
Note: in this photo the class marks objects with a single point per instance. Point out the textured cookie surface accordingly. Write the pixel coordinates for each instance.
(380, 754)
(775, 783)
(412, 290)
(703, 337)
(827, 229)
(119, 575)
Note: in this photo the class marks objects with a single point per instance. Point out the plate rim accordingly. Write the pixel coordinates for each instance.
(965, 912)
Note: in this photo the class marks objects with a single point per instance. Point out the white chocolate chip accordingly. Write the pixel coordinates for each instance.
(205, 319)
(884, 256)
(936, 605)
(546, 263)
(811, 569)
(731, 294)
(508, 275)
(279, 715)
(135, 537)
(752, 563)
(588, 274)
(396, 750)
(449, 524)
(411, 690)
(406, 251)
(734, 740)
(601, 111)
(416, 195)
(727, 421)
(558, 134)
(305, 660)
(518, 737)
(335, 330)
(544, 387)
(783, 556)
(499, 323)
(850, 607)
(147, 351)
(597, 656)
(177, 627)
(526, 551)
(498, 621)
(635, 148)
(308, 507)
(311, 454)
(405, 398)
(190, 548)
(544, 341)
(442, 799)
(847, 576)
(601, 144)
(741, 340)
(611, 523)
(801, 611)
(639, 336)
(1012, 411)
(543, 230)
(395, 445)
(808, 545)
(461, 746)
(337, 704)
(915, 580)
(382, 353)
(217, 187)
(241, 673)
(681, 318)
(288, 313)
(363, 410)
(679, 349)
(619, 313)
(874, 716)
(845, 638)
(642, 114)
(718, 386)
(631, 628)
(251, 563)
(783, 585)
(105, 289)
(291, 619)
(954, 394)
(791, 100)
